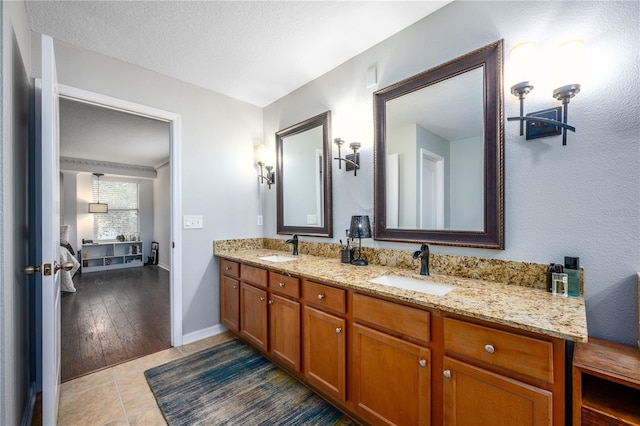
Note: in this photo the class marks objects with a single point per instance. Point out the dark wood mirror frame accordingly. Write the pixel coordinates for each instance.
(489, 57)
(326, 230)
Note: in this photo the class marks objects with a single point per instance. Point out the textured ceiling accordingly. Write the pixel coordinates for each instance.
(254, 51)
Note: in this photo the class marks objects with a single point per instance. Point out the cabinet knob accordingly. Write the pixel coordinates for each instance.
(270, 302)
(447, 374)
(422, 362)
(261, 299)
(320, 296)
(235, 287)
(338, 330)
(227, 268)
(489, 348)
(281, 285)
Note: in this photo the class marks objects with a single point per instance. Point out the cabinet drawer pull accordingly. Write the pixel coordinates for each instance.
(270, 302)
(261, 299)
(320, 296)
(447, 374)
(489, 348)
(422, 362)
(281, 285)
(338, 330)
(227, 268)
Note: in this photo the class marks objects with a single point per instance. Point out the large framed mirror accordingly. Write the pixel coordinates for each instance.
(438, 154)
(303, 168)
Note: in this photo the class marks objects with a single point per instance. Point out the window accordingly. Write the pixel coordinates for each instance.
(122, 219)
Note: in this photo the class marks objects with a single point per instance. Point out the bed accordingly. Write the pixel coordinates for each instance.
(67, 254)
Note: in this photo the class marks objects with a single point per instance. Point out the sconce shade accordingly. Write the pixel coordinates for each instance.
(360, 227)
(98, 208)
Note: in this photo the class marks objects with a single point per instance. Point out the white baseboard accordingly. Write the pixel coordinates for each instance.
(165, 267)
(203, 334)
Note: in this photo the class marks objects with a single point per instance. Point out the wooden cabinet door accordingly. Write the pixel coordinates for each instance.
(473, 396)
(284, 330)
(230, 303)
(253, 315)
(325, 352)
(391, 378)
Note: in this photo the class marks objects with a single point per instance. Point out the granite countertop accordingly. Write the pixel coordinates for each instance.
(516, 306)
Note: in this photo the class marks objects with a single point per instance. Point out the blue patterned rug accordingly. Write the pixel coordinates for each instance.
(231, 384)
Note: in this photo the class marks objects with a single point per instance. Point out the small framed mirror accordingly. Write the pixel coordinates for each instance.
(438, 154)
(303, 167)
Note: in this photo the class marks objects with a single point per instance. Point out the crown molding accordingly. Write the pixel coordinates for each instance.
(106, 167)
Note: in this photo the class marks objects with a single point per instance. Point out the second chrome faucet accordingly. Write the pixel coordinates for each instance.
(423, 255)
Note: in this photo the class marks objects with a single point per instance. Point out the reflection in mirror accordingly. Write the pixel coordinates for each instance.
(304, 171)
(438, 154)
(439, 162)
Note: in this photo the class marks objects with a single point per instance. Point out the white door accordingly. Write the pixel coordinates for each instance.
(50, 241)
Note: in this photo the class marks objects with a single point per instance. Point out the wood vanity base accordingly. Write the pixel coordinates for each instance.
(388, 362)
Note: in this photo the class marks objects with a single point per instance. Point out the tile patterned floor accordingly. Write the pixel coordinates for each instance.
(119, 395)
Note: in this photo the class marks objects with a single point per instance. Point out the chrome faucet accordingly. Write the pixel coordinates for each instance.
(294, 242)
(423, 254)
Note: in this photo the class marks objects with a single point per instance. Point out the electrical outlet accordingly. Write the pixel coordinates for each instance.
(192, 222)
(259, 221)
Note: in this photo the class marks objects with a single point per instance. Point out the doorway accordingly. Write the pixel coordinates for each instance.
(171, 220)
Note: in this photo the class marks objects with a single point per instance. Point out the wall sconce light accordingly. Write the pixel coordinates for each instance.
(548, 122)
(270, 177)
(352, 161)
(98, 207)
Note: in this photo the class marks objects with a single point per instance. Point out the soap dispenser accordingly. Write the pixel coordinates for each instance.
(572, 269)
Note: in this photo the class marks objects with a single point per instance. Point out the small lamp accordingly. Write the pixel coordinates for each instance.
(361, 228)
(98, 207)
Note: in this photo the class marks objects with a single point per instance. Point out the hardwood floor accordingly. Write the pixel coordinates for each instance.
(113, 317)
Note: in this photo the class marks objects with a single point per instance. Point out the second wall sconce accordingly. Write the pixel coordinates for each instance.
(548, 122)
(352, 161)
(270, 177)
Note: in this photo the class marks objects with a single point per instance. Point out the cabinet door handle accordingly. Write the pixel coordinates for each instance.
(270, 302)
(489, 348)
(261, 299)
(447, 374)
(281, 285)
(320, 296)
(338, 330)
(422, 362)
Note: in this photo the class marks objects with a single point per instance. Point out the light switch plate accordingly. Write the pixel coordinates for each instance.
(192, 221)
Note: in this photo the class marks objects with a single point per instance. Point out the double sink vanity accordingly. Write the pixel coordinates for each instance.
(389, 346)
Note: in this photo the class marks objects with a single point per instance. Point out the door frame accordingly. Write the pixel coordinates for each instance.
(175, 151)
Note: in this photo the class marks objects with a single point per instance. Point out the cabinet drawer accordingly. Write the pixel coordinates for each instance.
(324, 296)
(397, 318)
(284, 284)
(229, 268)
(253, 275)
(524, 355)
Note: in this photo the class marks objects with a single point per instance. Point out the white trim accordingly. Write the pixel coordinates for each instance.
(203, 334)
(176, 186)
(163, 266)
(437, 191)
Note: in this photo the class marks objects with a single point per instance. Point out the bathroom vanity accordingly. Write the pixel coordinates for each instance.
(490, 352)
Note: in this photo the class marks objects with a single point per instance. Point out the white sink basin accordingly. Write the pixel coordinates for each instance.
(278, 258)
(422, 286)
